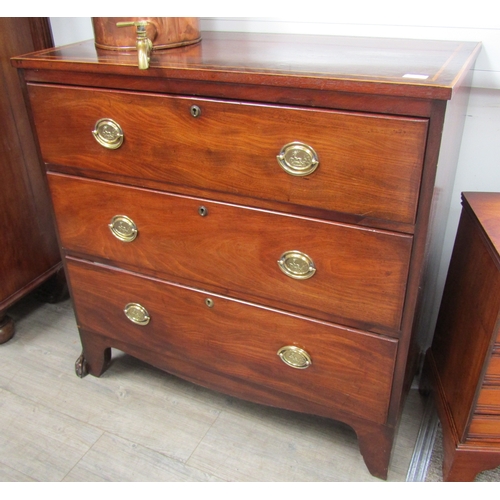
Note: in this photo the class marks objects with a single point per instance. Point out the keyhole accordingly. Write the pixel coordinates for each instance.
(195, 111)
(209, 302)
(203, 211)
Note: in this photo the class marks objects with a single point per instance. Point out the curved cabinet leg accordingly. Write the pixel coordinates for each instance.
(95, 358)
(7, 328)
(375, 444)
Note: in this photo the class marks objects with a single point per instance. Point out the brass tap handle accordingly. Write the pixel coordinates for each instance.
(143, 43)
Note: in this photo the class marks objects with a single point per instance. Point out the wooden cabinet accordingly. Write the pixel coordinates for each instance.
(29, 254)
(251, 213)
(463, 364)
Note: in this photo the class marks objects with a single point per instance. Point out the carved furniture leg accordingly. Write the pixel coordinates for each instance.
(95, 358)
(6, 328)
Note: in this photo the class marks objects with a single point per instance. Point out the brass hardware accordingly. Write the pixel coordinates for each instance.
(295, 357)
(123, 228)
(108, 133)
(297, 265)
(203, 211)
(209, 302)
(137, 314)
(195, 111)
(143, 43)
(298, 159)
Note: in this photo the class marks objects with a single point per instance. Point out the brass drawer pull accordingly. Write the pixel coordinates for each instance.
(137, 314)
(108, 133)
(297, 265)
(123, 228)
(295, 357)
(298, 159)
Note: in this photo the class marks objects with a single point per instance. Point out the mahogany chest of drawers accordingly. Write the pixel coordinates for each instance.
(252, 213)
(463, 364)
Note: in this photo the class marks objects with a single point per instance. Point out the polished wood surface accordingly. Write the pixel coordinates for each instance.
(29, 252)
(364, 212)
(410, 68)
(463, 362)
(239, 340)
(232, 147)
(235, 250)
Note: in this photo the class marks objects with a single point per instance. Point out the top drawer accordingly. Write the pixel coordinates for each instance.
(368, 164)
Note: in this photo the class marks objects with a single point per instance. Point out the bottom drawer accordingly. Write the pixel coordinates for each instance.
(350, 370)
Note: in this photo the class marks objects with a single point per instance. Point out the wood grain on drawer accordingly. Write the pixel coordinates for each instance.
(493, 369)
(488, 401)
(486, 427)
(369, 165)
(360, 276)
(350, 370)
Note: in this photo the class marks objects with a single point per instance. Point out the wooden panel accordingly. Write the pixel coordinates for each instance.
(29, 253)
(485, 427)
(238, 340)
(493, 370)
(467, 317)
(369, 165)
(489, 400)
(374, 66)
(236, 249)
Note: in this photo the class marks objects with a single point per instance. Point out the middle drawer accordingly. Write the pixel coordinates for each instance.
(333, 271)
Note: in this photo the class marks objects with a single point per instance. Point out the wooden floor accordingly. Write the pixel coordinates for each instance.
(136, 423)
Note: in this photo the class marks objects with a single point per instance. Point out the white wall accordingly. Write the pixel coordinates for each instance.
(479, 161)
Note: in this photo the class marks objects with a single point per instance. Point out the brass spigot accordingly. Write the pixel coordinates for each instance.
(143, 43)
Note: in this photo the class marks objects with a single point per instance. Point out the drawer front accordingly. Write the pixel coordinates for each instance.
(485, 427)
(359, 279)
(493, 370)
(369, 165)
(488, 401)
(350, 370)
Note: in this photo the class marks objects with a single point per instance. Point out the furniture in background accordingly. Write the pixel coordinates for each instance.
(29, 253)
(463, 365)
(252, 213)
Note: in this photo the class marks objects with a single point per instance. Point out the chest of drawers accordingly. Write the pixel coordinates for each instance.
(463, 363)
(252, 213)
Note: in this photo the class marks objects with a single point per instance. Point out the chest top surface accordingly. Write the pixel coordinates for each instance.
(412, 68)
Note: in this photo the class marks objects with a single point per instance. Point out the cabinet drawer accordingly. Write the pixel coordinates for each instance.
(486, 427)
(350, 370)
(369, 165)
(360, 275)
(493, 370)
(489, 400)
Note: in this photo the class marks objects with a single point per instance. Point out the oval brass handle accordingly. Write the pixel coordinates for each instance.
(295, 357)
(108, 133)
(137, 314)
(297, 158)
(123, 228)
(297, 265)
